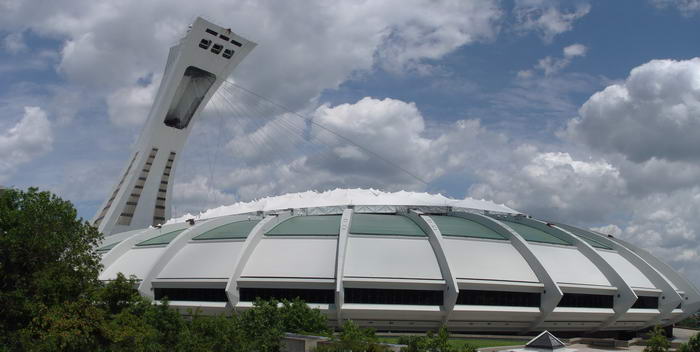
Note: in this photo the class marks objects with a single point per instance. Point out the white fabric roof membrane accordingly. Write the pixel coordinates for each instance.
(339, 197)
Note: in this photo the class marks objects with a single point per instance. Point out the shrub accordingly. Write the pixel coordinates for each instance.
(657, 342)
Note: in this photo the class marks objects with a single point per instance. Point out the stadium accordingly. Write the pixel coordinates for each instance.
(393, 261)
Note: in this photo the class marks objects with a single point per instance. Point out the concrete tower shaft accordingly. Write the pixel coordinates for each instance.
(195, 69)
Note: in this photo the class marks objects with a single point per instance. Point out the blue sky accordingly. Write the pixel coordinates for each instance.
(586, 112)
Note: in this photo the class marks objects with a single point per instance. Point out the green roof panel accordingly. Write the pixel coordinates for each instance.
(457, 226)
(312, 225)
(233, 230)
(586, 236)
(160, 239)
(378, 224)
(532, 234)
(107, 247)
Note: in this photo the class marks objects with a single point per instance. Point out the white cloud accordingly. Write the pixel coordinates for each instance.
(545, 18)
(129, 106)
(654, 113)
(110, 46)
(551, 65)
(30, 137)
(14, 43)
(685, 7)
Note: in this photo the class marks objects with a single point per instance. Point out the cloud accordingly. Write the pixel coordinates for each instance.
(551, 65)
(545, 18)
(28, 139)
(109, 47)
(685, 7)
(130, 105)
(14, 43)
(654, 113)
(553, 185)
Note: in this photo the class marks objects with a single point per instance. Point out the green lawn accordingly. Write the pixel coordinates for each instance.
(478, 343)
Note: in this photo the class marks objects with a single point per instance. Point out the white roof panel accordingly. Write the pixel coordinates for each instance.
(312, 258)
(486, 260)
(203, 260)
(394, 257)
(568, 265)
(137, 261)
(629, 272)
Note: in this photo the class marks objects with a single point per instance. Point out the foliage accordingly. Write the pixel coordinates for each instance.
(297, 317)
(691, 322)
(657, 342)
(432, 342)
(693, 344)
(353, 338)
(47, 263)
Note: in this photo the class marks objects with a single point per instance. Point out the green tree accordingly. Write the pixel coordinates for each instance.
(432, 342)
(693, 344)
(657, 341)
(297, 317)
(353, 338)
(47, 261)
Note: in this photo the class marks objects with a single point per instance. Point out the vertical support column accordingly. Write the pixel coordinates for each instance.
(669, 297)
(625, 297)
(552, 293)
(345, 222)
(435, 239)
(255, 236)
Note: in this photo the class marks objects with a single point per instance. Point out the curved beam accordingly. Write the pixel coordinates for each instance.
(669, 297)
(435, 239)
(254, 237)
(625, 297)
(345, 222)
(691, 301)
(552, 293)
(178, 243)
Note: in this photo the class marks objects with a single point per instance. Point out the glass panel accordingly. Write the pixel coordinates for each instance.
(316, 225)
(237, 229)
(534, 235)
(586, 236)
(377, 224)
(107, 247)
(189, 94)
(456, 226)
(161, 239)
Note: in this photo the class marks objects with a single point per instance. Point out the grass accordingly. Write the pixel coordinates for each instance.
(478, 343)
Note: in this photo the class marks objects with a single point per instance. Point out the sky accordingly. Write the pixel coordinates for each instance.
(584, 112)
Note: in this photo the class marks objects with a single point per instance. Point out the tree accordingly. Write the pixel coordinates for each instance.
(47, 261)
(432, 342)
(657, 342)
(353, 338)
(693, 344)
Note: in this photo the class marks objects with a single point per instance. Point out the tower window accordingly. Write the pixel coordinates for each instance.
(190, 93)
(224, 37)
(216, 48)
(204, 43)
(227, 53)
(212, 32)
(234, 42)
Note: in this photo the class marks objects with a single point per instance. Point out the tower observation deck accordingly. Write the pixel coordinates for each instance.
(195, 69)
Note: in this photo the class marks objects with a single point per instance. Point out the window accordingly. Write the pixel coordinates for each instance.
(212, 32)
(580, 300)
(191, 294)
(234, 42)
(216, 48)
(189, 95)
(307, 295)
(498, 298)
(204, 43)
(387, 296)
(646, 302)
(227, 53)
(224, 37)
